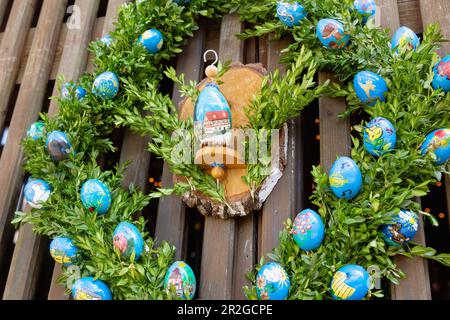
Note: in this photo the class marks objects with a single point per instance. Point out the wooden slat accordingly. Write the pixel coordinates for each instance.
(218, 252)
(171, 221)
(29, 103)
(437, 11)
(409, 14)
(388, 15)
(3, 7)
(11, 50)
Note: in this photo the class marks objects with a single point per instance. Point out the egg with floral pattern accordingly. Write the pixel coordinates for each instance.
(36, 130)
(152, 40)
(345, 178)
(127, 239)
(332, 34)
(290, 13)
(350, 282)
(90, 289)
(367, 8)
(402, 230)
(180, 281)
(308, 230)
(59, 146)
(272, 282)
(370, 87)
(96, 196)
(106, 86)
(405, 37)
(64, 251)
(379, 136)
(36, 192)
(70, 90)
(441, 79)
(438, 142)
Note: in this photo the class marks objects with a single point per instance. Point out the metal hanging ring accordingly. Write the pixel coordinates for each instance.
(216, 56)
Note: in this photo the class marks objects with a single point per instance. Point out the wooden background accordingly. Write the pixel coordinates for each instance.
(37, 43)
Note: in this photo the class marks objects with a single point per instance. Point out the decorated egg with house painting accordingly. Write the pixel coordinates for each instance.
(405, 37)
(36, 192)
(441, 79)
(127, 239)
(106, 86)
(70, 91)
(345, 178)
(59, 146)
(308, 230)
(379, 136)
(180, 281)
(290, 13)
(272, 282)
(90, 289)
(36, 130)
(96, 196)
(370, 87)
(64, 251)
(438, 142)
(332, 34)
(402, 230)
(367, 8)
(152, 40)
(350, 282)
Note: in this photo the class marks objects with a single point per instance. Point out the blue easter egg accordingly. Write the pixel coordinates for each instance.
(182, 1)
(441, 78)
(367, 8)
(272, 282)
(402, 230)
(36, 130)
(64, 251)
(107, 40)
(308, 230)
(152, 40)
(370, 87)
(380, 136)
(36, 192)
(332, 34)
(290, 13)
(96, 196)
(59, 146)
(404, 36)
(70, 90)
(345, 178)
(180, 279)
(90, 289)
(350, 282)
(438, 142)
(127, 239)
(106, 85)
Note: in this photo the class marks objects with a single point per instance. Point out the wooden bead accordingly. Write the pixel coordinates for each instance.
(211, 71)
(218, 173)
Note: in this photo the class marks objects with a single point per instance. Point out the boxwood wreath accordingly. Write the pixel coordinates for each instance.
(392, 181)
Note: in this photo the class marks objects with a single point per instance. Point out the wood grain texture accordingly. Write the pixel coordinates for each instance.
(388, 15)
(3, 7)
(437, 11)
(409, 14)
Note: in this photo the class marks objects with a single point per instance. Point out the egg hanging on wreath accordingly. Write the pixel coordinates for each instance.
(405, 37)
(441, 79)
(70, 90)
(95, 196)
(379, 136)
(437, 142)
(272, 282)
(152, 40)
(36, 131)
(106, 85)
(290, 14)
(59, 146)
(345, 178)
(64, 251)
(367, 8)
(308, 230)
(332, 34)
(180, 280)
(128, 240)
(402, 230)
(90, 289)
(370, 87)
(350, 282)
(36, 192)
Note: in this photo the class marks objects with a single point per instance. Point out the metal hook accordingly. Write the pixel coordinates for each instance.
(205, 59)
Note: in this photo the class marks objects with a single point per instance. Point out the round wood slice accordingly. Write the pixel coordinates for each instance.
(240, 84)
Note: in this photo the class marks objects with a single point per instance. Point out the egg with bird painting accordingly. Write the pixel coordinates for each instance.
(90, 289)
(152, 40)
(59, 146)
(437, 143)
(380, 136)
(36, 130)
(64, 251)
(37, 192)
(308, 230)
(405, 38)
(370, 87)
(128, 240)
(95, 196)
(180, 281)
(345, 178)
(441, 79)
(402, 230)
(272, 282)
(290, 14)
(367, 9)
(350, 282)
(332, 34)
(106, 86)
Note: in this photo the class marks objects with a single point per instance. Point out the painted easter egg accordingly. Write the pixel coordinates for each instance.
(404, 36)
(127, 239)
(36, 130)
(379, 136)
(182, 1)
(59, 146)
(90, 289)
(438, 142)
(64, 251)
(441, 78)
(367, 8)
(332, 34)
(70, 90)
(308, 230)
(370, 87)
(36, 192)
(180, 279)
(152, 40)
(272, 282)
(106, 85)
(107, 40)
(290, 13)
(402, 230)
(350, 282)
(345, 178)
(96, 196)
